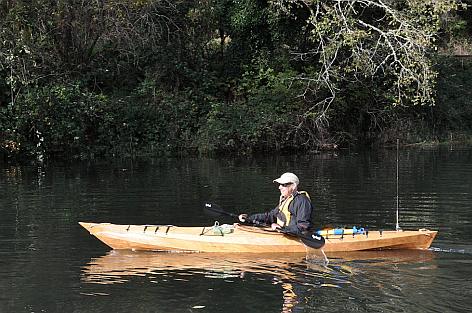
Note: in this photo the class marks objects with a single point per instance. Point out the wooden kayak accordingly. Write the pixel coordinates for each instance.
(240, 238)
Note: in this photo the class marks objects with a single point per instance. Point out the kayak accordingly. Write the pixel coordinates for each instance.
(246, 239)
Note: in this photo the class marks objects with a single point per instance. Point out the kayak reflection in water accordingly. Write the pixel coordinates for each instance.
(294, 212)
(292, 273)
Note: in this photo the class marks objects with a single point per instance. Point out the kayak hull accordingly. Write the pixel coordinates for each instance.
(245, 239)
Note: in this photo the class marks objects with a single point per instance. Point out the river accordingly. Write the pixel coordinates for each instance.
(50, 264)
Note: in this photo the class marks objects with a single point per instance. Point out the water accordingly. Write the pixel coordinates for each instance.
(49, 264)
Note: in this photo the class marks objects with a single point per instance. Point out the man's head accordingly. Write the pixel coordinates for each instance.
(288, 183)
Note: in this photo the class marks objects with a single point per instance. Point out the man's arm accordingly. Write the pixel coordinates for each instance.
(301, 217)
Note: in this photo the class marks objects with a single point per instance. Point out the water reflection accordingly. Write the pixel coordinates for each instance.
(383, 257)
(298, 276)
(293, 273)
(118, 266)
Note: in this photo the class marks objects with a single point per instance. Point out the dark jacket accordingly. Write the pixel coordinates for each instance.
(300, 209)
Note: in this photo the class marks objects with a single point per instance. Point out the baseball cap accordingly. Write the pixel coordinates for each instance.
(287, 178)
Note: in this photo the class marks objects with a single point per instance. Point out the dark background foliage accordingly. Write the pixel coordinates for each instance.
(134, 77)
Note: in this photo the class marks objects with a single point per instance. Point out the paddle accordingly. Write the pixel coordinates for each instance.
(310, 239)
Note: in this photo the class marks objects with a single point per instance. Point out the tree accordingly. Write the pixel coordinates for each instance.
(385, 42)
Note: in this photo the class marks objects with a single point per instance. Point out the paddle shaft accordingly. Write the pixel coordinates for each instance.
(310, 239)
(217, 209)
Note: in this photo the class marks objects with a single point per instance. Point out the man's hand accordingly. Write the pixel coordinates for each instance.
(275, 226)
(242, 217)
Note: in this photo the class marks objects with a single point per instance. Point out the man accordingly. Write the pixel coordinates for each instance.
(294, 211)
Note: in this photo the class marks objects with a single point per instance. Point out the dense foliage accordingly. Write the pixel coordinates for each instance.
(150, 77)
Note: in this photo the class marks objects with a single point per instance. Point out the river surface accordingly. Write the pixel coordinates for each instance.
(50, 264)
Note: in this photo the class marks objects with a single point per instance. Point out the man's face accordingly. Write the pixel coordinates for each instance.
(286, 189)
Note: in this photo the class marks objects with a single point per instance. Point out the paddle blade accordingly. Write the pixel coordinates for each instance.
(209, 209)
(313, 240)
(216, 210)
(310, 239)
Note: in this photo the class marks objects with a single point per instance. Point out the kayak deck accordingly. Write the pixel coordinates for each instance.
(376, 240)
(239, 238)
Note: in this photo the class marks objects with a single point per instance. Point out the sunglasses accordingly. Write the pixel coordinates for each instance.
(285, 185)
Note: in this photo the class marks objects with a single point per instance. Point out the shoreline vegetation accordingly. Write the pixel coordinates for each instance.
(153, 78)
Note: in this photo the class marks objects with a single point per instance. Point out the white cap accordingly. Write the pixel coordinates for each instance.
(287, 178)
